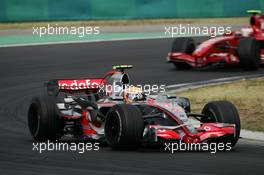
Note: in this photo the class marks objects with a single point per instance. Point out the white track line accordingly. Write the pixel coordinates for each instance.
(94, 41)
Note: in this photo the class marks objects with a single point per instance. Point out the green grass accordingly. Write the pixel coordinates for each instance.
(247, 95)
(29, 25)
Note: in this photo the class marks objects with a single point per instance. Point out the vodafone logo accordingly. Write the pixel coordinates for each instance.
(79, 84)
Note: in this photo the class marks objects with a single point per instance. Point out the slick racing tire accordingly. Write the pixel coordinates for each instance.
(249, 53)
(223, 112)
(43, 122)
(184, 45)
(124, 127)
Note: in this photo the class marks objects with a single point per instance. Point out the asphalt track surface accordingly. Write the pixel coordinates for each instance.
(24, 69)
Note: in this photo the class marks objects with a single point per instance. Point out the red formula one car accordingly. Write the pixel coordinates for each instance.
(245, 47)
(110, 110)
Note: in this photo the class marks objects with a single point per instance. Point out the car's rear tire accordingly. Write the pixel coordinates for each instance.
(249, 53)
(223, 112)
(184, 45)
(124, 127)
(43, 120)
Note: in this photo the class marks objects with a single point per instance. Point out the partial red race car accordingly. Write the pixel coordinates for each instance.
(111, 110)
(245, 47)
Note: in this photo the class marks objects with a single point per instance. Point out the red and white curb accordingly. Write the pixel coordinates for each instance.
(254, 135)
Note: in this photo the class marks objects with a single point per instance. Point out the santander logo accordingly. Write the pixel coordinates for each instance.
(79, 84)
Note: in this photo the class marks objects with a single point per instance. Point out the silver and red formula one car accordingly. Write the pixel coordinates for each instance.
(110, 109)
(245, 48)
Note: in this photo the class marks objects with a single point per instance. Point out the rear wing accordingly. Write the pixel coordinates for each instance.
(52, 87)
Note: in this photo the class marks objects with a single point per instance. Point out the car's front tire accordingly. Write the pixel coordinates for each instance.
(184, 45)
(223, 112)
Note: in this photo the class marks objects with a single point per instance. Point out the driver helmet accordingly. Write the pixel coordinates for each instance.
(132, 94)
(246, 32)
